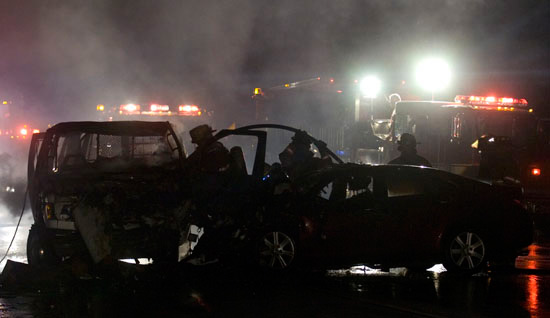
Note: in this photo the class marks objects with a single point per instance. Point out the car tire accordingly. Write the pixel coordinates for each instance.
(276, 250)
(465, 252)
(40, 251)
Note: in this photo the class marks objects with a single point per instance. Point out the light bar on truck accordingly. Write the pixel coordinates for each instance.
(159, 108)
(129, 109)
(491, 101)
(189, 110)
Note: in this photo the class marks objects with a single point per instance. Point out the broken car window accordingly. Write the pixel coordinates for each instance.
(347, 187)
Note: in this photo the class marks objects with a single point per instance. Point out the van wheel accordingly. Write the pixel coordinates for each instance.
(40, 251)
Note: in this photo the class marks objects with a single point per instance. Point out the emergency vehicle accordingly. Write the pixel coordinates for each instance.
(319, 105)
(484, 137)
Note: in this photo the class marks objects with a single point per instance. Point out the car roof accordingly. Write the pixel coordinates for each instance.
(130, 128)
(385, 169)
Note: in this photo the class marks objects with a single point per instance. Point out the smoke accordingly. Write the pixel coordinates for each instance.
(143, 51)
(70, 56)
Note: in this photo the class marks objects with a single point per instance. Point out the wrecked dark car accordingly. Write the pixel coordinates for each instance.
(82, 175)
(347, 214)
(399, 216)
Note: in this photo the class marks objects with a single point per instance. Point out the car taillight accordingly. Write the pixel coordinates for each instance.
(535, 172)
(49, 211)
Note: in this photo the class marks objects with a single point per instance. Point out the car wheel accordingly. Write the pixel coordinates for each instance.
(40, 251)
(276, 250)
(465, 252)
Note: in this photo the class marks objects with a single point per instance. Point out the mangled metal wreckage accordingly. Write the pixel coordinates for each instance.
(104, 188)
(127, 190)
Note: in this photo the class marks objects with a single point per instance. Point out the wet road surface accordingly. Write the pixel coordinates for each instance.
(216, 291)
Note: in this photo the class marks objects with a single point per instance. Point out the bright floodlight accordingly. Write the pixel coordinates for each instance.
(433, 74)
(370, 86)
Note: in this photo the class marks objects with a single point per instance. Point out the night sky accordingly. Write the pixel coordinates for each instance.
(64, 57)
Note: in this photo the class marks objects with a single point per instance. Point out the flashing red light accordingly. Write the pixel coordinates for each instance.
(189, 110)
(491, 100)
(535, 172)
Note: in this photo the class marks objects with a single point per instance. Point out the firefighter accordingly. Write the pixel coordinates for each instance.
(298, 158)
(208, 168)
(407, 147)
(393, 100)
(297, 152)
(209, 156)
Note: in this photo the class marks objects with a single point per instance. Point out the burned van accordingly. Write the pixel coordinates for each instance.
(107, 188)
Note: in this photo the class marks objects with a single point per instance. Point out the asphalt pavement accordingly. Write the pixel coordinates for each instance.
(353, 292)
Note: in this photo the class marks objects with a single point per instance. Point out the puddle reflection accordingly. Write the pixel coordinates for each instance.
(533, 298)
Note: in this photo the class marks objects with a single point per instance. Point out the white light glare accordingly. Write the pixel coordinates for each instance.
(130, 107)
(433, 74)
(370, 86)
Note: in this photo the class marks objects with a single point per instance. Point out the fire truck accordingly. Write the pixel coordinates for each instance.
(484, 137)
(319, 105)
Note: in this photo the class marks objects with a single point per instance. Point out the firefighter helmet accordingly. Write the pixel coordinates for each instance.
(201, 133)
